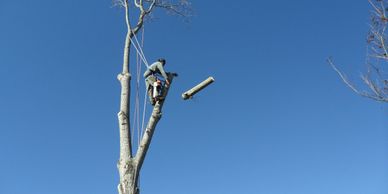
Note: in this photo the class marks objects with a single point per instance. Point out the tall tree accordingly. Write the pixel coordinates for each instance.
(375, 78)
(129, 164)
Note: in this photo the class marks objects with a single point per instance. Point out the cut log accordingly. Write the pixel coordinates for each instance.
(190, 93)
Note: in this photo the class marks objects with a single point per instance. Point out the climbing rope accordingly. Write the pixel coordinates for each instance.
(144, 110)
(140, 54)
(139, 131)
(140, 58)
(136, 114)
(138, 48)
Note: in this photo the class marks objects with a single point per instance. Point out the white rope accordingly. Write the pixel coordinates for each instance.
(136, 119)
(142, 56)
(138, 91)
(137, 102)
(144, 110)
(136, 113)
(139, 50)
(144, 100)
(136, 110)
(140, 46)
(140, 130)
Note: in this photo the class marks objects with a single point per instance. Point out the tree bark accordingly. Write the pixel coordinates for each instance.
(125, 164)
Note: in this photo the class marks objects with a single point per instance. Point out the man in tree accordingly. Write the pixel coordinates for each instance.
(154, 85)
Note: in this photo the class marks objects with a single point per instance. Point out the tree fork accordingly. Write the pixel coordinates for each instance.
(129, 167)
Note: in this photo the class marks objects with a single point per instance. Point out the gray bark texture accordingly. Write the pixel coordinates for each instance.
(125, 165)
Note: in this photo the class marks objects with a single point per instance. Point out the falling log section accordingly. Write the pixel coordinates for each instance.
(190, 93)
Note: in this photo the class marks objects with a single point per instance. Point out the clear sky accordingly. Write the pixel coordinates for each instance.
(278, 120)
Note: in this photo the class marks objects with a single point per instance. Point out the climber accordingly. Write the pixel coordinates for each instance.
(154, 85)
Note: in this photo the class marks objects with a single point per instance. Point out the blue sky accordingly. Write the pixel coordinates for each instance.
(278, 120)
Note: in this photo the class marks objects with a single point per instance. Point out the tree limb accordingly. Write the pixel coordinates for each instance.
(150, 129)
(180, 7)
(377, 95)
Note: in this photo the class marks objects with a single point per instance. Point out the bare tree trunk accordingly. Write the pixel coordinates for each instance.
(125, 164)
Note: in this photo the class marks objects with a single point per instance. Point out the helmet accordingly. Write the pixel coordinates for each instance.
(163, 61)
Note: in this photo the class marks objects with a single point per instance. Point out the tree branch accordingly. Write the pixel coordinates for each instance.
(377, 53)
(152, 122)
(343, 77)
(180, 7)
(137, 4)
(378, 11)
(151, 6)
(378, 96)
(139, 24)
